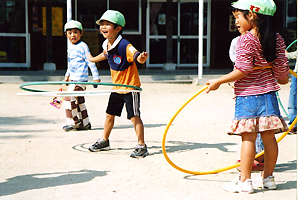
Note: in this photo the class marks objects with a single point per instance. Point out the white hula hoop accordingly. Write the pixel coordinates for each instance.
(76, 93)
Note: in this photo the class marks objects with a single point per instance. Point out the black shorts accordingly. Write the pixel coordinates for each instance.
(132, 104)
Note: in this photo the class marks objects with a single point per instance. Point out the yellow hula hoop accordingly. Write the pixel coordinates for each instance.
(293, 73)
(213, 171)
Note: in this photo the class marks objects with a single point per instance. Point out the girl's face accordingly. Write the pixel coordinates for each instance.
(108, 30)
(243, 24)
(74, 35)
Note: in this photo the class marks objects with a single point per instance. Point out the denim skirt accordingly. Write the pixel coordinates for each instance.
(256, 106)
(257, 113)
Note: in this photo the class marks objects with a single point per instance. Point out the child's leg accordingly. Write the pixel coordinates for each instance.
(71, 111)
(71, 105)
(139, 128)
(108, 126)
(82, 111)
(247, 154)
(271, 152)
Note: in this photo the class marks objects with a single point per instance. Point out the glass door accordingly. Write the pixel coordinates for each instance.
(14, 35)
(185, 38)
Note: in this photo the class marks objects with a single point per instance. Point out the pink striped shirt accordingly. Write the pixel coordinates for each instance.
(249, 54)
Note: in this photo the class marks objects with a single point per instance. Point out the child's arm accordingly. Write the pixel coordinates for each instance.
(98, 58)
(230, 77)
(142, 57)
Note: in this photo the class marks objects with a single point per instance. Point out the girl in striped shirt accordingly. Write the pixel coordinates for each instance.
(260, 65)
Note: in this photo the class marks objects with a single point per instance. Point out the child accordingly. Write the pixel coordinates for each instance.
(260, 65)
(121, 57)
(292, 105)
(258, 164)
(77, 71)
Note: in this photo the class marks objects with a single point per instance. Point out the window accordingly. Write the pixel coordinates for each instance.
(12, 15)
(89, 11)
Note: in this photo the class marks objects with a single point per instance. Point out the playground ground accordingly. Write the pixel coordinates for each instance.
(41, 161)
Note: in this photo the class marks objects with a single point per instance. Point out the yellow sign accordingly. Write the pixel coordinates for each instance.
(57, 21)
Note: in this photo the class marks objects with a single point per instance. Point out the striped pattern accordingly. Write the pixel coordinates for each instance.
(136, 103)
(259, 81)
(75, 107)
(78, 63)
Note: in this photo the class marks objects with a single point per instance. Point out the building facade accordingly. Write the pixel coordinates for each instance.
(25, 41)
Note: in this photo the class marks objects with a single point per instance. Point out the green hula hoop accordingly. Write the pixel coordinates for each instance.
(23, 86)
(291, 44)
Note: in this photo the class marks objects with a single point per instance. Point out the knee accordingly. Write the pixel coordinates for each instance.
(136, 120)
(110, 117)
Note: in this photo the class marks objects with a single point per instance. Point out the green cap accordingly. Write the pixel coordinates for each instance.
(265, 7)
(73, 24)
(112, 16)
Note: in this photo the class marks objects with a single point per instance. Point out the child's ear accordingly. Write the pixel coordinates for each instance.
(119, 28)
(252, 16)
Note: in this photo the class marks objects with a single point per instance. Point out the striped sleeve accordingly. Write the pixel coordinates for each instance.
(244, 59)
(91, 65)
(281, 64)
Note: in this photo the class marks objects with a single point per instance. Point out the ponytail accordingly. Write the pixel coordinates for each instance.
(266, 29)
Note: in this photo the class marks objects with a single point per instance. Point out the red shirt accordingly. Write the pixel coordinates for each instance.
(249, 54)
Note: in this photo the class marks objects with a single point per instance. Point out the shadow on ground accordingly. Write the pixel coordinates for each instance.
(178, 146)
(44, 180)
(24, 120)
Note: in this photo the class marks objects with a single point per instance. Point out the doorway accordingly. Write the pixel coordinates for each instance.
(185, 22)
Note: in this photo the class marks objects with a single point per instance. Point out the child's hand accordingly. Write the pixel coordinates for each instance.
(66, 78)
(96, 81)
(142, 57)
(213, 85)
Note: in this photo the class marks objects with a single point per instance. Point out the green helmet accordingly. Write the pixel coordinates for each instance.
(112, 16)
(265, 7)
(73, 24)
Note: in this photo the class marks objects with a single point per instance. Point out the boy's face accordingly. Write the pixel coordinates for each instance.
(74, 35)
(108, 29)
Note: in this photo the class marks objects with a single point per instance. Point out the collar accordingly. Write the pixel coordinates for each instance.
(105, 43)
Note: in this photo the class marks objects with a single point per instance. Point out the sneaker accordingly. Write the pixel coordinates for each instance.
(82, 128)
(140, 152)
(237, 186)
(260, 182)
(256, 167)
(67, 128)
(101, 145)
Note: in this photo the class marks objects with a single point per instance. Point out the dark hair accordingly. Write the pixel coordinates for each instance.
(69, 29)
(266, 28)
(115, 26)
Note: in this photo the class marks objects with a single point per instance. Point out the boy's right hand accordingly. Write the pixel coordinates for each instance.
(66, 78)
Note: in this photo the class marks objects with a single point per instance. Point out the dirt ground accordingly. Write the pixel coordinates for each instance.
(41, 161)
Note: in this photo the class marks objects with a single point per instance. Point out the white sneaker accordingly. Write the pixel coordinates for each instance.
(237, 186)
(260, 182)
